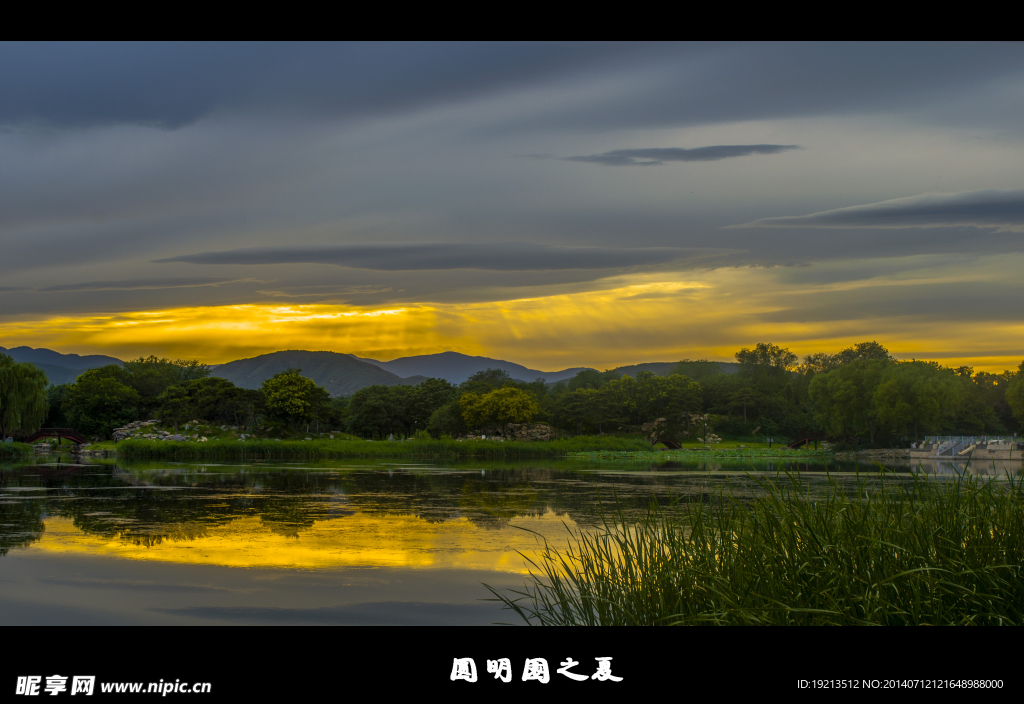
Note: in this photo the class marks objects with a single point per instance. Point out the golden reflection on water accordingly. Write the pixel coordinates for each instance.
(359, 540)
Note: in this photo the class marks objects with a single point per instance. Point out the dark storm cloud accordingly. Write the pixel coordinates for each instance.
(142, 284)
(739, 82)
(173, 84)
(1003, 210)
(658, 156)
(170, 85)
(968, 301)
(446, 256)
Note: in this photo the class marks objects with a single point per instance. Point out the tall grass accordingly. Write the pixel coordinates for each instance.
(926, 552)
(327, 449)
(14, 449)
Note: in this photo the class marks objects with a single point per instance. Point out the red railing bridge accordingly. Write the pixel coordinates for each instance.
(67, 433)
(806, 441)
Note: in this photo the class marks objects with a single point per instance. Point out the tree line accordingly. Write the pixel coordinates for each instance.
(860, 394)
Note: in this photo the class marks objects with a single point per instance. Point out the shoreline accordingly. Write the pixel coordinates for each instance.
(341, 449)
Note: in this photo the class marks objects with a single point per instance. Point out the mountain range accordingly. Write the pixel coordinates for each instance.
(59, 368)
(341, 374)
(456, 367)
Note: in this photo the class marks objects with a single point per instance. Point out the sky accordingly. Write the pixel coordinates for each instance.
(554, 205)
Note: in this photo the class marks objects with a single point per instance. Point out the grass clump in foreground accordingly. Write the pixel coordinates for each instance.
(327, 449)
(15, 449)
(896, 554)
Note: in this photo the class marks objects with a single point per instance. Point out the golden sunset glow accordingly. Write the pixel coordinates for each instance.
(621, 320)
(361, 540)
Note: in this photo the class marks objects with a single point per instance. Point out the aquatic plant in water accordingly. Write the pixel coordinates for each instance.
(888, 552)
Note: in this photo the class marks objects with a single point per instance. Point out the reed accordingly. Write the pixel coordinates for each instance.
(328, 449)
(881, 553)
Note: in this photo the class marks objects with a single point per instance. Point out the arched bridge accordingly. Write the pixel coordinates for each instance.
(68, 433)
(806, 442)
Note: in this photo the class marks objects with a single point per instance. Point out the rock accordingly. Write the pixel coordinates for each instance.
(529, 431)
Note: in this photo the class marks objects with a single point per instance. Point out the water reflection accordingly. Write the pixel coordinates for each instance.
(311, 516)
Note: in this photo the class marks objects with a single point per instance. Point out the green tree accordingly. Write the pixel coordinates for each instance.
(98, 402)
(716, 392)
(631, 399)
(499, 407)
(766, 367)
(339, 409)
(823, 362)
(293, 398)
(511, 406)
(151, 376)
(844, 398)
(914, 397)
(993, 389)
(1015, 395)
(216, 400)
(22, 396)
(474, 412)
(174, 405)
(56, 397)
(586, 379)
(319, 407)
(430, 395)
(447, 420)
(971, 413)
(743, 398)
(680, 399)
(486, 381)
(370, 411)
(575, 409)
(648, 397)
(765, 354)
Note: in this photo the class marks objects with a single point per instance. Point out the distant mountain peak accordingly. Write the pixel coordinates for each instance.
(341, 374)
(456, 367)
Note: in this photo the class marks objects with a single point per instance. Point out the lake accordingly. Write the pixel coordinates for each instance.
(331, 542)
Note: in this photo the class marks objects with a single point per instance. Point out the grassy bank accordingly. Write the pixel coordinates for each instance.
(927, 553)
(14, 449)
(327, 449)
(703, 453)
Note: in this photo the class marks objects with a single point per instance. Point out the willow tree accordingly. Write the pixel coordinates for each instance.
(22, 396)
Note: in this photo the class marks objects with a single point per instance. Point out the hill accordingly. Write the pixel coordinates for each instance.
(663, 368)
(457, 367)
(340, 374)
(41, 355)
(59, 375)
(59, 368)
